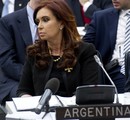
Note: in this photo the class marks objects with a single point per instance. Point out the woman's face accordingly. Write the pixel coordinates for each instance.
(49, 28)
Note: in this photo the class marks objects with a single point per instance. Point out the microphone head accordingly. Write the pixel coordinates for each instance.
(53, 84)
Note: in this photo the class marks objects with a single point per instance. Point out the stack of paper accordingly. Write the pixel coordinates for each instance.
(30, 103)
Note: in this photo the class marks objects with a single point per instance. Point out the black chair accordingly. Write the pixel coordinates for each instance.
(127, 64)
(127, 71)
(3, 113)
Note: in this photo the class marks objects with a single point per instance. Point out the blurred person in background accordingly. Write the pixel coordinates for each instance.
(12, 5)
(107, 31)
(90, 6)
(84, 9)
(17, 31)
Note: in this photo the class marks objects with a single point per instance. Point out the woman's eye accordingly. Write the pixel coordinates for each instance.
(36, 22)
(45, 19)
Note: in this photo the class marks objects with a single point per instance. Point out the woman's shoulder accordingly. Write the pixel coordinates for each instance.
(86, 46)
(86, 50)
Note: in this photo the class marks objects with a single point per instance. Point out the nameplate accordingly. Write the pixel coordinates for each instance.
(93, 111)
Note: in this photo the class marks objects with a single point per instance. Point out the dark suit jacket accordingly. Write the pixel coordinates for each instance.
(76, 8)
(15, 36)
(102, 32)
(18, 5)
(98, 5)
(85, 72)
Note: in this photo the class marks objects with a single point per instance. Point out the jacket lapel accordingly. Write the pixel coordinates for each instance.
(113, 24)
(18, 4)
(24, 27)
(1, 7)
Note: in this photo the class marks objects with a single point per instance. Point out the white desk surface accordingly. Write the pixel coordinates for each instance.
(27, 115)
(81, 31)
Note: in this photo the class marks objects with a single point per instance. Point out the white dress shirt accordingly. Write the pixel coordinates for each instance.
(87, 4)
(11, 5)
(33, 26)
(120, 38)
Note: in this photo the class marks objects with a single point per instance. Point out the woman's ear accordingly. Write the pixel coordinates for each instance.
(61, 26)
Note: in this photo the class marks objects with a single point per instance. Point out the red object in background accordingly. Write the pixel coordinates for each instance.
(86, 20)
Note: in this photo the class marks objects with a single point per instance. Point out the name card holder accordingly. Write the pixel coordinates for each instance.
(89, 112)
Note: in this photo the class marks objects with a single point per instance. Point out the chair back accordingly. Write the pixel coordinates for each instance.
(127, 64)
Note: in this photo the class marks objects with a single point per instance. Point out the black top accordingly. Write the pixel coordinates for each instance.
(55, 72)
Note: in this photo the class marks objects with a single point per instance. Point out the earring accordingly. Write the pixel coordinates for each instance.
(61, 28)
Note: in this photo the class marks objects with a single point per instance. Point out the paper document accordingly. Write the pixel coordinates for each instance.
(26, 103)
(30, 103)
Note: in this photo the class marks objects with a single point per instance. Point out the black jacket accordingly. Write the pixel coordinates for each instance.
(85, 72)
(15, 36)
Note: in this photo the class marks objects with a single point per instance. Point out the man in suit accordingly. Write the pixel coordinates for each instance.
(16, 33)
(76, 8)
(79, 14)
(18, 4)
(90, 6)
(107, 32)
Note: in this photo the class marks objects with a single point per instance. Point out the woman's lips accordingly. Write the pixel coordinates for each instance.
(41, 33)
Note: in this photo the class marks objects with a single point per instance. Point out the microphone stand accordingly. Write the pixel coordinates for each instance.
(97, 59)
(117, 99)
(46, 110)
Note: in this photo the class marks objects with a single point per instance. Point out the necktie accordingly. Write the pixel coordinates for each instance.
(85, 19)
(126, 42)
(5, 10)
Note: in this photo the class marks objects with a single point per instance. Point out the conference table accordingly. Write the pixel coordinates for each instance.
(13, 114)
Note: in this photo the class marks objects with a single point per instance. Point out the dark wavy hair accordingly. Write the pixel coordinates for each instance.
(71, 37)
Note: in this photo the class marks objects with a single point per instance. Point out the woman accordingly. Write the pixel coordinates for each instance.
(58, 53)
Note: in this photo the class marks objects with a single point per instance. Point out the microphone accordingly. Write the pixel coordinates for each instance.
(51, 87)
(97, 59)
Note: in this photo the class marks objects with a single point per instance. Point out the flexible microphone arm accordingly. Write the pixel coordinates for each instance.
(62, 105)
(101, 65)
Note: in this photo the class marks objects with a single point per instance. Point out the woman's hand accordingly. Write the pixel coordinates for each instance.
(26, 95)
